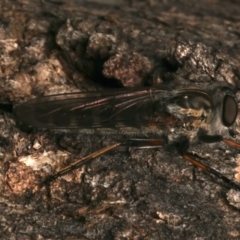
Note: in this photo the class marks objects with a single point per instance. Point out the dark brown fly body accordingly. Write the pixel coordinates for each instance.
(148, 114)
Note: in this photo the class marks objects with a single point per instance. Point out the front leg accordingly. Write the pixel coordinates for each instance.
(183, 144)
(205, 138)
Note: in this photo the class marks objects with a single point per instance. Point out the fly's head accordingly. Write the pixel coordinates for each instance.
(222, 119)
(215, 110)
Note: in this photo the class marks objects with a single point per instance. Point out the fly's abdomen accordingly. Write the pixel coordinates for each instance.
(126, 112)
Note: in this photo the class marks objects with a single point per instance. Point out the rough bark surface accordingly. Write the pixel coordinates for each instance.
(50, 47)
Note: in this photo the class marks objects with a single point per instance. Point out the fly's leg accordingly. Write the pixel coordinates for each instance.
(209, 139)
(231, 143)
(181, 146)
(138, 143)
(218, 138)
(81, 162)
(188, 157)
(144, 143)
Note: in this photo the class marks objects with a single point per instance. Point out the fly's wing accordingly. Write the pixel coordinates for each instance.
(106, 109)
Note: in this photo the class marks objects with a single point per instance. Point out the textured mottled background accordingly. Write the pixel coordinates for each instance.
(50, 47)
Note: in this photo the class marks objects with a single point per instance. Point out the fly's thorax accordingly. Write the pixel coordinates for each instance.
(192, 108)
(188, 113)
(191, 134)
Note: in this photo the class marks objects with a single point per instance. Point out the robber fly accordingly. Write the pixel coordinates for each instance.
(147, 115)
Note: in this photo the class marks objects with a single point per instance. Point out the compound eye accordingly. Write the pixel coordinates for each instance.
(229, 110)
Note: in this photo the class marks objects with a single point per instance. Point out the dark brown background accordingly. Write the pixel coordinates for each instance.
(50, 47)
